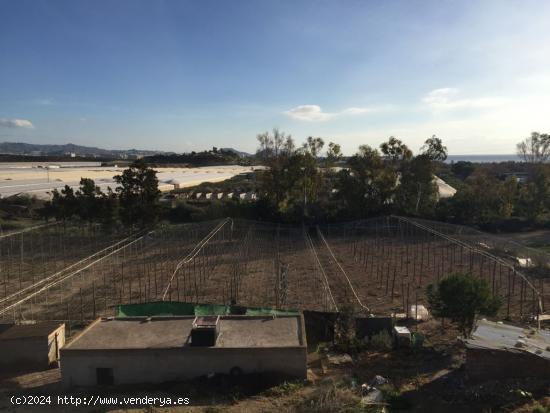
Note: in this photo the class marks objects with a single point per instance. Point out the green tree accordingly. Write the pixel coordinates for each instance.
(417, 191)
(535, 195)
(484, 200)
(367, 186)
(293, 184)
(64, 204)
(138, 194)
(334, 155)
(434, 149)
(108, 208)
(462, 298)
(395, 150)
(314, 146)
(88, 199)
(462, 169)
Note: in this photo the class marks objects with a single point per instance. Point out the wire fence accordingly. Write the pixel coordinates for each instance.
(380, 266)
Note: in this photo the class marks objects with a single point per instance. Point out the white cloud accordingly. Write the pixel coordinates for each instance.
(448, 98)
(308, 113)
(16, 123)
(315, 113)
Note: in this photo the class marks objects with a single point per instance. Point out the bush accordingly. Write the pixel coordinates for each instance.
(381, 341)
(330, 400)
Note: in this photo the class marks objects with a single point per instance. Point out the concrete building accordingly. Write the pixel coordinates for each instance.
(160, 349)
(30, 345)
(496, 351)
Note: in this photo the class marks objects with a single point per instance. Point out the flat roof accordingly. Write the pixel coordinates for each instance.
(174, 332)
(15, 331)
(498, 336)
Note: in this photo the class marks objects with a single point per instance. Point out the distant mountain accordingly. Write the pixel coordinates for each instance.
(240, 153)
(19, 148)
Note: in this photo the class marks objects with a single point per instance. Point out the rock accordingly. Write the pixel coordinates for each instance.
(339, 359)
(377, 381)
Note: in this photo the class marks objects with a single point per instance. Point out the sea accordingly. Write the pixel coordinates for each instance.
(483, 158)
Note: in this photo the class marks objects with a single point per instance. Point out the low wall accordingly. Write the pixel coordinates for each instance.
(484, 364)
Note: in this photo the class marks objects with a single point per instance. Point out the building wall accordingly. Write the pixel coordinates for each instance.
(78, 367)
(31, 351)
(498, 364)
(20, 352)
(53, 350)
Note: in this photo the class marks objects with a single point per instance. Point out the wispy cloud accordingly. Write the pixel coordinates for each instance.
(359, 111)
(16, 123)
(42, 101)
(308, 113)
(449, 98)
(312, 113)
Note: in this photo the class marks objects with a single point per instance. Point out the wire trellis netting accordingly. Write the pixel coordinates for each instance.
(382, 265)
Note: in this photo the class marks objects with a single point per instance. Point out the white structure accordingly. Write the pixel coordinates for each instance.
(161, 349)
(444, 190)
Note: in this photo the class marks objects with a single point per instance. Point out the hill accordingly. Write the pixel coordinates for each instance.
(20, 148)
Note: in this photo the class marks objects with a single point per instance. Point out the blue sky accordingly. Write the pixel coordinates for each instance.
(187, 75)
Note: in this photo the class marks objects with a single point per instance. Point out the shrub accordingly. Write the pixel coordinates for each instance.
(381, 341)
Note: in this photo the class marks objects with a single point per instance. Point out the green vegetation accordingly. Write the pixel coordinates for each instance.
(306, 183)
(135, 201)
(302, 185)
(330, 398)
(299, 185)
(211, 157)
(381, 341)
(541, 409)
(461, 298)
(138, 194)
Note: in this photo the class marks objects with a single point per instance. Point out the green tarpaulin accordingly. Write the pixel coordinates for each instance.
(175, 308)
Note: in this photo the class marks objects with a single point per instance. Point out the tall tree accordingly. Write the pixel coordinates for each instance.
(434, 149)
(395, 150)
(334, 154)
(367, 186)
(535, 148)
(314, 146)
(417, 192)
(138, 194)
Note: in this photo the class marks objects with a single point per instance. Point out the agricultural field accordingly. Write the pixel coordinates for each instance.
(377, 266)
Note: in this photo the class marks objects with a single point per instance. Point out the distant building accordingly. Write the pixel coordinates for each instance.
(497, 351)
(521, 177)
(444, 190)
(30, 345)
(160, 349)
